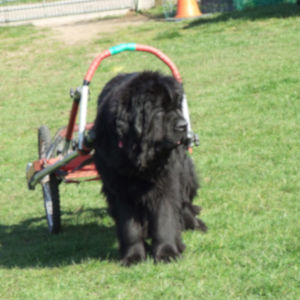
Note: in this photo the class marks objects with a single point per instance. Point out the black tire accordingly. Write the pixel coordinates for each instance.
(50, 184)
(52, 203)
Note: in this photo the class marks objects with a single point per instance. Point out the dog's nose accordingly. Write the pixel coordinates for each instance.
(181, 125)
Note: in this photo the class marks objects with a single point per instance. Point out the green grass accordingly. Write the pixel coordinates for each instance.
(241, 75)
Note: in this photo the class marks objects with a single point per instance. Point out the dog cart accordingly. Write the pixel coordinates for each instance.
(68, 156)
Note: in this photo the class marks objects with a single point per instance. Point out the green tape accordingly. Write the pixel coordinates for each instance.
(122, 47)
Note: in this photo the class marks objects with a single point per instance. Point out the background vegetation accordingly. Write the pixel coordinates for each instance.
(241, 75)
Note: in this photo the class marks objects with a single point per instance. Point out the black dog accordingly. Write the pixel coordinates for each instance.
(140, 152)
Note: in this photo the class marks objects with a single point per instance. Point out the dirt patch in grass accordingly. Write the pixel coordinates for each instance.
(75, 31)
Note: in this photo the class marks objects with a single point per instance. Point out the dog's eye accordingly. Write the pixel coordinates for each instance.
(157, 121)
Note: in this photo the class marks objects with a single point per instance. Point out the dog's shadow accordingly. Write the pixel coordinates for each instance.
(28, 244)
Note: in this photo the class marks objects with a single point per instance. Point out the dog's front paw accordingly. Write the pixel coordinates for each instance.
(134, 255)
(165, 253)
(201, 225)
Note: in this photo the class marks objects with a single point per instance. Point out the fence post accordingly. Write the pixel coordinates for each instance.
(136, 5)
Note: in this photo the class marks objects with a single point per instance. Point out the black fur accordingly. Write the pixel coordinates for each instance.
(140, 152)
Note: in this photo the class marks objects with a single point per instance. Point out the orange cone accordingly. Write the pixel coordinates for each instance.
(187, 9)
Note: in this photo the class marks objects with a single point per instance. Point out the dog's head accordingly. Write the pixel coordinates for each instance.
(149, 121)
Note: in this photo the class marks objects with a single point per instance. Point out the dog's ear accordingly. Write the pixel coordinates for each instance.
(121, 128)
(128, 115)
(122, 119)
(174, 89)
(138, 119)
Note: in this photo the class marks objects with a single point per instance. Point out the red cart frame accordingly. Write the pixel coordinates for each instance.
(66, 159)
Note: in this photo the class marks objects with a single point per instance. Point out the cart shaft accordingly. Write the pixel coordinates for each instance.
(34, 177)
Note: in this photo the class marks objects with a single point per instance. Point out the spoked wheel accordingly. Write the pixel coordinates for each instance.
(50, 184)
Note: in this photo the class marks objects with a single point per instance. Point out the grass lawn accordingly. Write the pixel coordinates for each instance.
(241, 75)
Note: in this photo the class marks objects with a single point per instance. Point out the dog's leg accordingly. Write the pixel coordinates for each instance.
(130, 234)
(190, 221)
(166, 235)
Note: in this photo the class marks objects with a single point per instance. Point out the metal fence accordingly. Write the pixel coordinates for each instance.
(21, 10)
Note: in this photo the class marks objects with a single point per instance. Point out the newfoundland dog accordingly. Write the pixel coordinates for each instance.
(141, 153)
